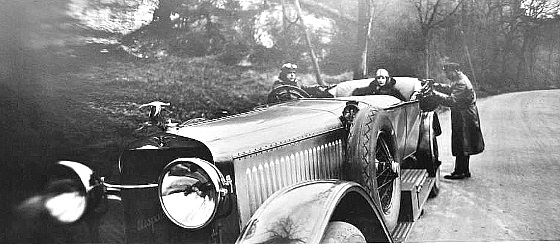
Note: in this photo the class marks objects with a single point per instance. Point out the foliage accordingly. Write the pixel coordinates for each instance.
(500, 43)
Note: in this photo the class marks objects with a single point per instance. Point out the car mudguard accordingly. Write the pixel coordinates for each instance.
(302, 212)
(427, 151)
(426, 131)
(436, 125)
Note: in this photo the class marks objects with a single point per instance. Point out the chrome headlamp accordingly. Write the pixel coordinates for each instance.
(190, 192)
(72, 190)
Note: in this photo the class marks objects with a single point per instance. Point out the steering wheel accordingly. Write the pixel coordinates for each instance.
(285, 93)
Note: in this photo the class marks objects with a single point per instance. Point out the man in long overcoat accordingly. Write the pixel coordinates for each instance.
(466, 135)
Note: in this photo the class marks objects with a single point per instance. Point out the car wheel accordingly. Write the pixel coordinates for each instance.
(429, 159)
(372, 163)
(342, 232)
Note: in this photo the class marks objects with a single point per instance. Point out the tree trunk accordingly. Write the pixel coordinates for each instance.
(162, 14)
(524, 70)
(426, 38)
(310, 46)
(365, 20)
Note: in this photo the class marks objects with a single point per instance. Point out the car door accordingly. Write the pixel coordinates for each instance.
(413, 120)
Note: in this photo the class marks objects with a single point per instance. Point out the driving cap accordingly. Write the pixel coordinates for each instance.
(289, 67)
(382, 72)
(451, 66)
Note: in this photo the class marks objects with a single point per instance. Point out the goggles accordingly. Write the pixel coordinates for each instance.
(289, 66)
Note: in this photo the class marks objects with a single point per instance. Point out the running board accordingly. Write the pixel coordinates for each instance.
(415, 189)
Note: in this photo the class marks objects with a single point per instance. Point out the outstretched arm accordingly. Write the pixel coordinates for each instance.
(443, 88)
(460, 96)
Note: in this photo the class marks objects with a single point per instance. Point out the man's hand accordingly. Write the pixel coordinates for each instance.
(319, 91)
(427, 89)
(437, 85)
(323, 88)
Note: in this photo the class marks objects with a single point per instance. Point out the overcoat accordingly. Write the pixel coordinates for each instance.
(460, 97)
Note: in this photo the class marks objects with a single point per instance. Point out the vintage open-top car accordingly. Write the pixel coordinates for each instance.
(307, 170)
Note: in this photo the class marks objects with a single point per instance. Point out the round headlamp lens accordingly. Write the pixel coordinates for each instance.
(72, 190)
(66, 207)
(189, 192)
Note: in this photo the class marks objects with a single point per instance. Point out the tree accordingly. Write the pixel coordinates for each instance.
(536, 14)
(365, 20)
(288, 22)
(199, 27)
(162, 14)
(433, 14)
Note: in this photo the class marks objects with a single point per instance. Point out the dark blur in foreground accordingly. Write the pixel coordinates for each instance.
(23, 147)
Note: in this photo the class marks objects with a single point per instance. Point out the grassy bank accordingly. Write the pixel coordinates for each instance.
(88, 97)
(97, 98)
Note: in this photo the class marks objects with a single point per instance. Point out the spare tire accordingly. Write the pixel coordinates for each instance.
(372, 162)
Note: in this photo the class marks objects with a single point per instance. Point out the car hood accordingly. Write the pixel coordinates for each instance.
(272, 126)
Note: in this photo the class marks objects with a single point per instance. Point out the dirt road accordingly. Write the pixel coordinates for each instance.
(514, 194)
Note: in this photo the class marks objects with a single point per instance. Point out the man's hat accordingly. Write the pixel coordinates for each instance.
(289, 67)
(451, 66)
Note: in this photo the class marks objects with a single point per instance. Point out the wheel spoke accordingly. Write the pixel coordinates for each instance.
(385, 198)
(385, 183)
(386, 152)
(384, 179)
(386, 173)
(386, 170)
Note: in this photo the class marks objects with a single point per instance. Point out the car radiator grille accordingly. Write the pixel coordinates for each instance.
(259, 176)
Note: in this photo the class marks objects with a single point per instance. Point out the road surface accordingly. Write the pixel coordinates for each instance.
(514, 192)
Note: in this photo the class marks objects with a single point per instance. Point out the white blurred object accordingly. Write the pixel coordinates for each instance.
(67, 207)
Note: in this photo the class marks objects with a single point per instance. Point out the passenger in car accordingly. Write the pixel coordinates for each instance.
(383, 84)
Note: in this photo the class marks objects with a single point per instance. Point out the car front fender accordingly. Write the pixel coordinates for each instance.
(301, 213)
(429, 128)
